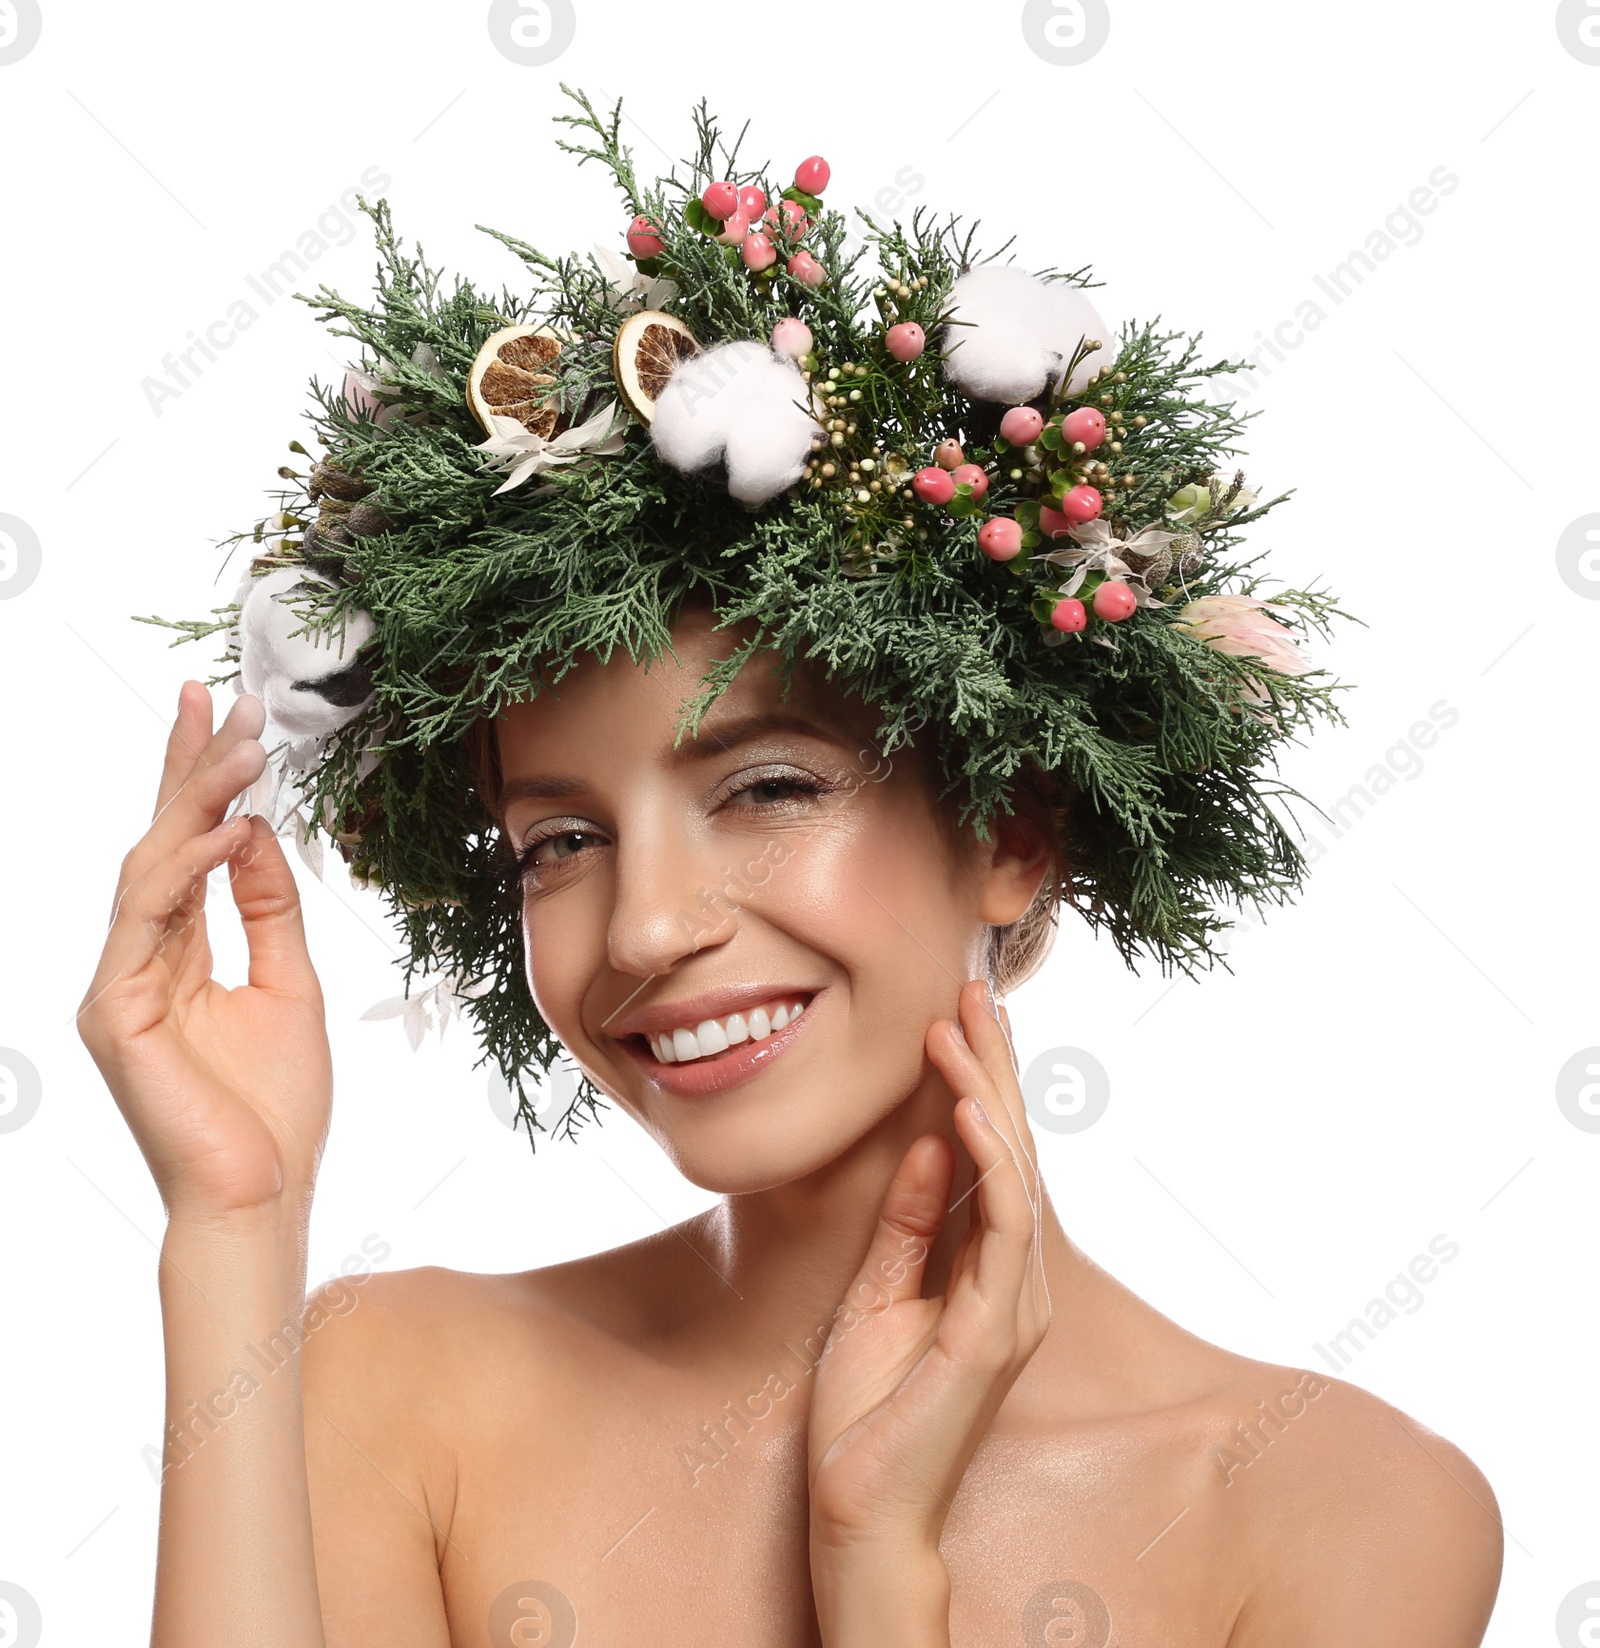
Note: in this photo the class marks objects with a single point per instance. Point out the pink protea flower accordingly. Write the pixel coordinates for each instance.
(1242, 627)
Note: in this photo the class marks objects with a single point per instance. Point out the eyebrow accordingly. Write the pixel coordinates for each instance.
(711, 742)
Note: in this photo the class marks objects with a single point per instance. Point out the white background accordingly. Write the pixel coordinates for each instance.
(1379, 1068)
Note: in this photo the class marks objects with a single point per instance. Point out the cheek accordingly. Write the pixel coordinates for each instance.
(563, 946)
(878, 891)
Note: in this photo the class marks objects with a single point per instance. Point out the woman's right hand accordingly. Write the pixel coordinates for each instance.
(227, 1091)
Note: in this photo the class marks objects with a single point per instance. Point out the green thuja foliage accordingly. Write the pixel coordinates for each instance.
(1160, 749)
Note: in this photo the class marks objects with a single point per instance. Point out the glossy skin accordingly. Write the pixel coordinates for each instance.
(649, 1430)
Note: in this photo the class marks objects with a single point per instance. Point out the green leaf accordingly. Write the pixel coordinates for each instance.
(1050, 438)
(810, 202)
(1027, 514)
(699, 218)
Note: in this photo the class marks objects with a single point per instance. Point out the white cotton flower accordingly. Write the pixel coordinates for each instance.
(308, 679)
(1019, 335)
(743, 404)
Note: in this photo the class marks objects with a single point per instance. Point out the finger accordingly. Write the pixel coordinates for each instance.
(1002, 1191)
(912, 1211)
(986, 1035)
(190, 752)
(967, 1075)
(156, 919)
(230, 763)
(1005, 1024)
(268, 902)
(191, 732)
(986, 1023)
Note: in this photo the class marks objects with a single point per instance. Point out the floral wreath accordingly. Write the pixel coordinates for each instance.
(937, 477)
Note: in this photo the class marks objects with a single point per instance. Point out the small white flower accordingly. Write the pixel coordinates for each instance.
(431, 1007)
(527, 454)
(1096, 549)
(631, 289)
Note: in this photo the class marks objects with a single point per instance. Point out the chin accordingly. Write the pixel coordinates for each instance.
(783, 1120)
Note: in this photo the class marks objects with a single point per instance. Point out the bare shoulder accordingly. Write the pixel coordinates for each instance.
(400, 1340)
(402, 1373)
(1363, 1524)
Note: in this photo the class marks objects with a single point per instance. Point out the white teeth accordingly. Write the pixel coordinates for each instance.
(711, 1037)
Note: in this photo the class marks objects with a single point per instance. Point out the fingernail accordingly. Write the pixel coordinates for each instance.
(979, 1112)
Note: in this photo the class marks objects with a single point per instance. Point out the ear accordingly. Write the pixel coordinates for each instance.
(1012, 865)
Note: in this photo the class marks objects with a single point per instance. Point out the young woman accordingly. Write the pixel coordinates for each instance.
(748, 756)
(875, 1397)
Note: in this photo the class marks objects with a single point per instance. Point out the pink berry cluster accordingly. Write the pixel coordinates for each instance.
(952, 484)
(1059, 450)
(739, 215)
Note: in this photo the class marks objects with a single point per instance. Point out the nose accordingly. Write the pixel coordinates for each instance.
(670, 898)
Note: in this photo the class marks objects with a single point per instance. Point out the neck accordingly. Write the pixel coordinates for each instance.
(789, 1254)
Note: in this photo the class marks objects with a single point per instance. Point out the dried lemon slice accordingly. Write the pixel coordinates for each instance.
(510, 378)
(650, 347)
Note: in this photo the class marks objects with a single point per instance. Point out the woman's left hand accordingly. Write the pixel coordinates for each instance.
(907, 1386)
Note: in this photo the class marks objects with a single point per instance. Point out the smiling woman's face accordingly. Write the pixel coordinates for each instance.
(681, 903)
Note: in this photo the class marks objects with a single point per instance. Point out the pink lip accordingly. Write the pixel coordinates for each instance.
(738, 1064)
(709, 1004)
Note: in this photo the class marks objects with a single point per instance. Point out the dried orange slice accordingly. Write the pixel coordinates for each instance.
(511, 378)
(650, 347)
